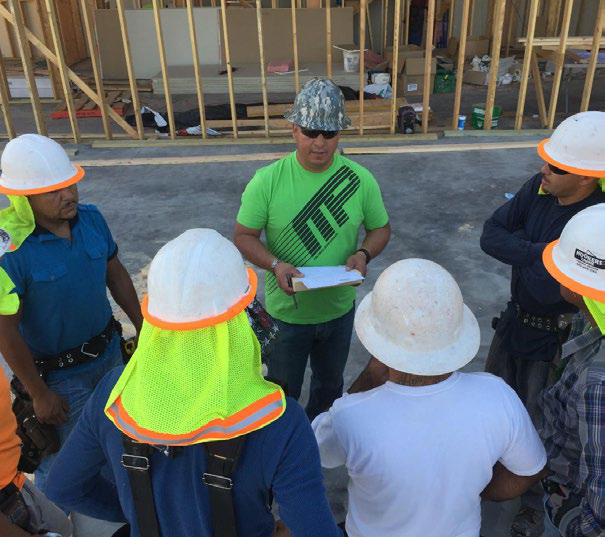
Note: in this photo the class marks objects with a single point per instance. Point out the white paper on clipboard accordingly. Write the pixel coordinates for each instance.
(320, 277)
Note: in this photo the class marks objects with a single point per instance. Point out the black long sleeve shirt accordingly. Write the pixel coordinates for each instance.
(517, 234)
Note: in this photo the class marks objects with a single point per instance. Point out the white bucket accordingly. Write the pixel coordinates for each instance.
(351, 60)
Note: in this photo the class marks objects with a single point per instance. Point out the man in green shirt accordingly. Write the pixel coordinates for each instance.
(310, 205)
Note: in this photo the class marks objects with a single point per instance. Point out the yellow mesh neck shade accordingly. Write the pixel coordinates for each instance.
(597, 310)
(188, 387)
(9, 302)
(18, 219)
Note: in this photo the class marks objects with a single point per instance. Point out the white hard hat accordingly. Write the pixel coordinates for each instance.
(414, 320)
(5, 242)
(196, 280)
(577, 145)
(34, 164)
(577, 259)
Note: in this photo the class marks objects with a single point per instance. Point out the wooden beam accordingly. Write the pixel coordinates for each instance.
(535, 73)
(574, 41)
(556, 83)
(554, 8)
(369, 26)
(362, 72)
(329, 38)
(4, 100)
(594, 56)
(489, 21)
(163, 67)
(461, 51)
(384, 26)
(229, 73)
(428, 60)
(351, 107)
(196, 68)
(531, 30)
(493, 72)
(395, 73)
(28, 70)
(295, 45)
(450, 23)
(438, 148)
(132, 81)
(471, 18)
(261, 48)
(52, 70)
(89, 29)
(510, 14)
(408, 6)
(54, 30)
(49, 54)
(178, 161)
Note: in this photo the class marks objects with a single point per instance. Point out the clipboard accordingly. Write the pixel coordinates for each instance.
(325, 277)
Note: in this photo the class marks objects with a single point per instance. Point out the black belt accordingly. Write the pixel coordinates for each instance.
(85, 353)
(542, 322)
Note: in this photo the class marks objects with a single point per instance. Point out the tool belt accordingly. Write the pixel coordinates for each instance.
(555, 324)
(85, 353)
(561, 500)
(38, 439)
(13, 506)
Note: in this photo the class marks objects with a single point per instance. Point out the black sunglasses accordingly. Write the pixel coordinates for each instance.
(557, 171)
(312, 133)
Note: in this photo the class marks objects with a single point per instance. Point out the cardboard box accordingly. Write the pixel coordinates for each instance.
(475, 46)
(413, 85)
(478, 78)
(415, 66)
(405, 51)
(18, 89)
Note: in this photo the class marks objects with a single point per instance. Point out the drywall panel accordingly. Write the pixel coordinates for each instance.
(277, 33)
(143, 41)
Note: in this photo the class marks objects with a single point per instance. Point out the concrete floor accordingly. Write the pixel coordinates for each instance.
(437, 203)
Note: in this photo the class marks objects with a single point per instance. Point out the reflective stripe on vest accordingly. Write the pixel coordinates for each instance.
(253, 417)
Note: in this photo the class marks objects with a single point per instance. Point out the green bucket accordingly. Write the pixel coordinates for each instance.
(478, 116)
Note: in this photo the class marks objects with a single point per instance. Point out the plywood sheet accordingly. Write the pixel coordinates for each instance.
(277, 25)
(143, 41)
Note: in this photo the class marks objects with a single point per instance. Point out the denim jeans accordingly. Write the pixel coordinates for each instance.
(76, 387)
(549, 528)
(327, 345)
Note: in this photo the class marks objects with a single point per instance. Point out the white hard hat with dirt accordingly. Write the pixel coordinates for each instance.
(415, 321)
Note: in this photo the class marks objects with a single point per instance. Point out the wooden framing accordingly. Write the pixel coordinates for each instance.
(89, 26)
(450, 22)
(499, 9)
(594, 56)
(362, 72)
(531, 29)
(261, 48)
(164, 67)
(329, 38)
(295, 45)
(132, 81)
(229, 72)
(366, 118)
(4, 99)
(196, 68)
(428, 59)
(461, 51)
(556, 83)
(394, 109)
(54, 30)
(28, 70)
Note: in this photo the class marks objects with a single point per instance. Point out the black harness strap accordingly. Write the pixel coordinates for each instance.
(136, 460)
(222, 460)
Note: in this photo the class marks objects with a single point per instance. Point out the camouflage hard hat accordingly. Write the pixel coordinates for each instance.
(320, 105)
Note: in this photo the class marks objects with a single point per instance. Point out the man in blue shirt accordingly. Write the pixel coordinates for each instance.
(193, 383)
(63, 339)
(532, 327)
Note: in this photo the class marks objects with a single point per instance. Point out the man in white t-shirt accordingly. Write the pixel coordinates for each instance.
(424, 444)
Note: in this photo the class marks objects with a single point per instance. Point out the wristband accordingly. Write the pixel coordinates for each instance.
(366, 253)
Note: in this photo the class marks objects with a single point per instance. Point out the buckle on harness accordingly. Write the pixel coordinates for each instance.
(87, 353)
(135, 462)
(217, 481)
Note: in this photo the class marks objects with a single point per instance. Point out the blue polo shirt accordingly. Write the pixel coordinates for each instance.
(61, 283)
